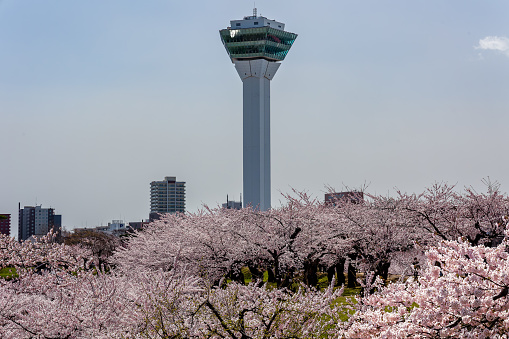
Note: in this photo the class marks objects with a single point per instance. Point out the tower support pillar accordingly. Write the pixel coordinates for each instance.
(256, 76)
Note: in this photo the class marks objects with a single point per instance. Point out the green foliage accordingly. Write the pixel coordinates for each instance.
(247, 275)
(8, 273)
(323, 281)
(351, 292)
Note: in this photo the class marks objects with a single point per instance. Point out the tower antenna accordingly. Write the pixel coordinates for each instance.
(255, 10)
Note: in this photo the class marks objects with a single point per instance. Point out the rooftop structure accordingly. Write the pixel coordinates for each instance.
(231, 204)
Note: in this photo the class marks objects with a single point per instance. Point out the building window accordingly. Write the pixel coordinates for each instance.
(256, 22)
(237, 24)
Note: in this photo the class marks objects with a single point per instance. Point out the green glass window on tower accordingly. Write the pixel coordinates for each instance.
(255, 43)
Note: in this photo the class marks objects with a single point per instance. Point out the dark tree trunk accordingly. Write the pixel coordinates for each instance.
(352, 276)
(256, 274)
(276, 274)
(237, 276)
(310, 269)
(340, 272)
(382, 269)
(330, 273)
(287, 281)
(271, 278)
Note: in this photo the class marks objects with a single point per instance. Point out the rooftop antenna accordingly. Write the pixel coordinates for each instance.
(255, 10)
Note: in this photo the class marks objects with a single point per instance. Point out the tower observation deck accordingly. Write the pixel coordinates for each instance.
(256, 45)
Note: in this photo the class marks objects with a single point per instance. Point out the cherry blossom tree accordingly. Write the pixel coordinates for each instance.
(378, 229)
(443, 212)
(102, 245)
(251, 311)
(204, 242)
(462, 293)
(55, 293)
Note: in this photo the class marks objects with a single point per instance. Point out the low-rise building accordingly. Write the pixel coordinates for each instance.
(233, 205)
(5, 224)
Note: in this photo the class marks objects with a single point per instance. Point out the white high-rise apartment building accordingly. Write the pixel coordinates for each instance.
(168, 196)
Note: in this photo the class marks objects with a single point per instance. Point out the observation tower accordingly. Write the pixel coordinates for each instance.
(256, 45)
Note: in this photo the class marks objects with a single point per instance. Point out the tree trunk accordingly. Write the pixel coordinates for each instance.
(382, 269)
(340, 272)
(352, 276)
(276, 274)
(310, 270)
(330, 273)
(237, 276)
(256, 274)
(271, 278)
(287, 281)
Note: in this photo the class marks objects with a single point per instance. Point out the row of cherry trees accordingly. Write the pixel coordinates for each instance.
(305, 234)
(59, 292)
(169, 280)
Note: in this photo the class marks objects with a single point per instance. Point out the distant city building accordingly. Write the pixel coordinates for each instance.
(137, 225)
(154, 216)
(57, 226)
(37, 221)
(116, 225)
(234, 205)
(352, 197)
(119, 227)
(5, 224)
(104, 229)
(167, 196)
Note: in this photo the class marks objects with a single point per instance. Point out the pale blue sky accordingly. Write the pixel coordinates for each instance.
(99, 98)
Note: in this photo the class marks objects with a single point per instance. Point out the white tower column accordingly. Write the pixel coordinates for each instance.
(256, 76)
